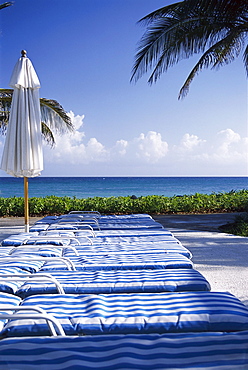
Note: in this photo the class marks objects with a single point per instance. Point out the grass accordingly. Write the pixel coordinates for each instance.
(238, 227)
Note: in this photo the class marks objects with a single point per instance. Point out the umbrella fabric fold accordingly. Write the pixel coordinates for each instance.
(22, 154)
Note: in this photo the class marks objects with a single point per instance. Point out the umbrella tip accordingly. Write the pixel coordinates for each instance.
(24, 53)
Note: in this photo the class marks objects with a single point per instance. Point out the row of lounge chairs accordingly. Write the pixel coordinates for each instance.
(85, 291)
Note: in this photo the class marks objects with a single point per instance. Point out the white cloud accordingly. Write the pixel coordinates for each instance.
(191, 142)
(95, 151)
(73, 149)
(192, 155)
(225, 144)
(150, 147)
(228, 144)
(76, 120)
(146, 154)
(70, 148)
(120, 148)
(146, 148)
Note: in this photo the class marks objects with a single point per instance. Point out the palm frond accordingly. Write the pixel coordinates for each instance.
(54, 116)
(6, 4)
(223, 52)
(245, 59)
(189, 27)
(171, 40)
(47, 134)
(165, 11)
(5, 104)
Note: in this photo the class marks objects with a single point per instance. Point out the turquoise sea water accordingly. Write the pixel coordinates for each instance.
(84, 187)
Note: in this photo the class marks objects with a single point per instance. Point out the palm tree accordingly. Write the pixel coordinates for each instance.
(53, 116)
(215, 28)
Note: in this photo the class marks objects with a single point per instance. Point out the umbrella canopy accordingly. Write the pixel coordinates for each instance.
(22, 154)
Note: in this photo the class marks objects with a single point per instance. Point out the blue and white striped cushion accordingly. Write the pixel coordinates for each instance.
(129, 233)
(136, 313)
(39, 227)
(12, 270)
(124, 262)
(139, 217)
(7, 300)
(191, 351)
(159, 313)
(9, 286)
(29, 265)
(132, 239)
(45, 251)
(48, 241)
(130, 248)
(105, 282)
(152, 225)
(17, 239)
(5, 251)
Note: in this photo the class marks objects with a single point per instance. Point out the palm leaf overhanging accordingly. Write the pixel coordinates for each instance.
(215, 28)
(53, 116)
(6, 4)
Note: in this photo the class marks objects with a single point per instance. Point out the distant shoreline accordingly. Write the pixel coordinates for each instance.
(88, 187)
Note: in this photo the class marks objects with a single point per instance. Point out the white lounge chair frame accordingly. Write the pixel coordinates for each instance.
(51, 321)
(26, 277)
(69, 264)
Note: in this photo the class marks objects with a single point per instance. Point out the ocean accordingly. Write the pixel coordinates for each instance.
(85, 187)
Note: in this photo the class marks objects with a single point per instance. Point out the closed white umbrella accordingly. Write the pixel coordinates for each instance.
(22, 154)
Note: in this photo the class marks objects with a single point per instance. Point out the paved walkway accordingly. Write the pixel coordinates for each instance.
(203, 222)
(14, 225)
(221, 258)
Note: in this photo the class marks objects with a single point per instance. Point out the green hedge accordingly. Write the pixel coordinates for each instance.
(238, 227)
(234, 201)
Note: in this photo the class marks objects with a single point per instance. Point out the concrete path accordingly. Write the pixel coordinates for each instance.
(221, 258)
(14, 225)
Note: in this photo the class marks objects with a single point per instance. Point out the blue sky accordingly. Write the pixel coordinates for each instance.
(83, 52)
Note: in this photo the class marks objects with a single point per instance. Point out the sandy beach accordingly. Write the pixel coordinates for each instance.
(221, 258)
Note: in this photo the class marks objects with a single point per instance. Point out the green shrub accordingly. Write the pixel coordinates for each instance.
(152, 204)
(238, 227)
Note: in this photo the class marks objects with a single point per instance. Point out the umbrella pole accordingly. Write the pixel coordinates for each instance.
(26, 216)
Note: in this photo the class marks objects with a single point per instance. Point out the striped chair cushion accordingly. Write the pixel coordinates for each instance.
(39, 227)
(45, 251)
(134, 216)
(105, 282)
(136, 313)
(7, 300)
(5, 251)
(131, 248)
(49, 241)
(150, 225)
(29, 266)
(191, 351)
(17, 239)
(12, 270)
(132, 239)
(128, 233)
(10, 285)
(124, 262)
